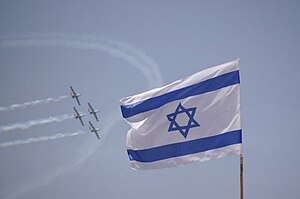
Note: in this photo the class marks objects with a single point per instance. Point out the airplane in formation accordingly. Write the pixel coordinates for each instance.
(93, 111)
(79, 116)
(94, 130)
(75, 95)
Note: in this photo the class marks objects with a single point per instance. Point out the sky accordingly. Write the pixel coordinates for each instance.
(108, 50)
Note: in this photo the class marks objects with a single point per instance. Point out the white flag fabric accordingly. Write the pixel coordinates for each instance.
(194, 119)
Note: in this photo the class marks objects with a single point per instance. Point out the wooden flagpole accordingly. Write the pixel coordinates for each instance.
(241, 177)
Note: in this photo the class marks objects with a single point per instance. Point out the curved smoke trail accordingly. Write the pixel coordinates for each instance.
(41, 139)
(135, 57)
(32, 103)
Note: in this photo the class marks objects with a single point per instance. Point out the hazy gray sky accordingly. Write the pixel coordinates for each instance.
(112, 49)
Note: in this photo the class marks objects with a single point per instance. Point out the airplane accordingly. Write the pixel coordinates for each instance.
(95, 130)
(93, 111)
(75, 95)
(79, 116)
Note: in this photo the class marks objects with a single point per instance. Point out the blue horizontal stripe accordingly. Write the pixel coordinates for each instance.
(186, 148)
(212, 84)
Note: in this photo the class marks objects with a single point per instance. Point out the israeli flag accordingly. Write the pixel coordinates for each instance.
(194, 119)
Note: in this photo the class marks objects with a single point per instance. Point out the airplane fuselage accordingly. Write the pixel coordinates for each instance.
(75, 96)
(78, 116)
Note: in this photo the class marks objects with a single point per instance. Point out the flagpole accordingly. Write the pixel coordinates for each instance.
(241, 176)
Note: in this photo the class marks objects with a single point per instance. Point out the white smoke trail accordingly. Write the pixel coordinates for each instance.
(41, 139)
(38, 122)
(32, 103)
(88, 150)
(135, 57)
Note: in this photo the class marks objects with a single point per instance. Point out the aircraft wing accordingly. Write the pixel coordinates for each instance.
(72, 90)
(91, 108)
(97, 135)
(76, 111)
(92, 125)
(96, 116)
(81, 121)
(77, 100)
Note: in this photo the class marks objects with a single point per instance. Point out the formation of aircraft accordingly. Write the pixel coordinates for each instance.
(94, 130)
(75, 95)
(79, 116)
(91, 111)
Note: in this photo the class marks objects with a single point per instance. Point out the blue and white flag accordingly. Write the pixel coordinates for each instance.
(194, 119)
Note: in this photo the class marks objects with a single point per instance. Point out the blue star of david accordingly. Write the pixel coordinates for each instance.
(192, 123)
